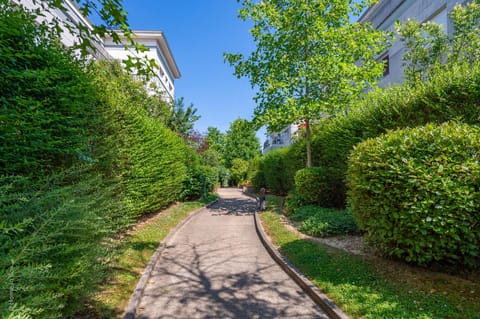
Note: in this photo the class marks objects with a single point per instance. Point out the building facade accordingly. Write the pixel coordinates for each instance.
(280, 139)
(154, 41)
(385, 13)
(159, 51)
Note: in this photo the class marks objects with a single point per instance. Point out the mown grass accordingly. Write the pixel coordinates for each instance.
(370, 287)
(131, 256)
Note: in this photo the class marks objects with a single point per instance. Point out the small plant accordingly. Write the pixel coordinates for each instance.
(324, 222)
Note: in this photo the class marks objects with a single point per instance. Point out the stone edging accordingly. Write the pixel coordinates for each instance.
(131, 309)
(317, 296)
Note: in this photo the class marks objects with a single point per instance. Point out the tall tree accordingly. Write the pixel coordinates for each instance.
(240, 142)
(309, 59)
(182, 119)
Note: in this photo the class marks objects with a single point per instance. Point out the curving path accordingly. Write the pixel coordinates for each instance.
(215, 266)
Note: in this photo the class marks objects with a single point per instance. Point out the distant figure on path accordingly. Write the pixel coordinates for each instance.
(261, 203)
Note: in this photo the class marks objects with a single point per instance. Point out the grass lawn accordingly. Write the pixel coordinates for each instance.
(131, 256)
(373, 287)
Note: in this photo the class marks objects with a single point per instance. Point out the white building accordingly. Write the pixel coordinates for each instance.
(280, 139)
(385, 13)
(159, 51)
(154, 41)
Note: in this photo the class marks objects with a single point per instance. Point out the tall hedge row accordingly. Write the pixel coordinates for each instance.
(80, 157)
(149, 160)
(452, 94)
(415, 193)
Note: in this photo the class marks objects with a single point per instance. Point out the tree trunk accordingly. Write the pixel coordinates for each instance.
(308, 138)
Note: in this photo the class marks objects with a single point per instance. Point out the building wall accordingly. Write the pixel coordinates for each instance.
(280, 139)
(155, 41)
(167, 70)
(384, 14)
(71, 16)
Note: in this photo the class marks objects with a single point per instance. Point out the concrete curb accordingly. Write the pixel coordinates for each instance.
(131, 309)
(317, 296)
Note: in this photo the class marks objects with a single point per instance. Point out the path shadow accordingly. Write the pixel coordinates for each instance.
(233, 207)
(198, 288)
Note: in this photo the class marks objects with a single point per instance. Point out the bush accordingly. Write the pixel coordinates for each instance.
(278, 169)
(453, 94)
(47, 102)
(320, 186)
(324, 222)
(51, 236)
(292, 202)
(149, 160)
(415, 193)
(200, 181)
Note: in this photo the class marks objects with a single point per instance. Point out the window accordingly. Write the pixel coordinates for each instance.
(385, 59)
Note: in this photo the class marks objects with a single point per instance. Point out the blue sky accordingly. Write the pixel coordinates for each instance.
(198, 33)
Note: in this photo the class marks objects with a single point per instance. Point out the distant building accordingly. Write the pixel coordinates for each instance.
(159, 51)
(280, 139)
(155, 41)
(383, 15)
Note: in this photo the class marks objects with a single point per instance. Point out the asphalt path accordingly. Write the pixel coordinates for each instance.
(215, 266)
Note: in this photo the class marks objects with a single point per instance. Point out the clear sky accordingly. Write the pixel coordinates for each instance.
(198, 33)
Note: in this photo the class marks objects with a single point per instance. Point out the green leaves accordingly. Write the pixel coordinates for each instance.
(309, 58)
(415, 192)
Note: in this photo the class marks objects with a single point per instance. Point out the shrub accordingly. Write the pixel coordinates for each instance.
(292, 202)
(149, 160)
(415, 192)
(200, 181)
(324, 222)
(46, 100)
(320, 186)
(278, 168)
(452, 94)
(51, 235)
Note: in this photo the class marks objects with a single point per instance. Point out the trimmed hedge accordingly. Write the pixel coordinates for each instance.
(453, 94)
(320, 186)
(277, 170)
(415, 193)
(149, 160)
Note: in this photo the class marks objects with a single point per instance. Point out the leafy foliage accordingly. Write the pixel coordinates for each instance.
(415, 193)
(200, 181)
(239, 171)
(182, 119)
(324, 222)
(452, 93)
(309, 59)
(240, 142)
(47, 101)
(320, 186)
(277, 170)
(149, 159)
(429, 48)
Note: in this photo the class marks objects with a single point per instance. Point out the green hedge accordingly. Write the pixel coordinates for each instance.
(51, 234)
(320, 186)
(277, 170)
(453, 94)
(149, 160)
(201, 180)
(415, 193)
(46, 100)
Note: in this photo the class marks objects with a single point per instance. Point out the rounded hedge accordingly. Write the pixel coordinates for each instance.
(415, 193)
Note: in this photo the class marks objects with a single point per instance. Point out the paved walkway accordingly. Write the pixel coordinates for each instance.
(216, 267)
